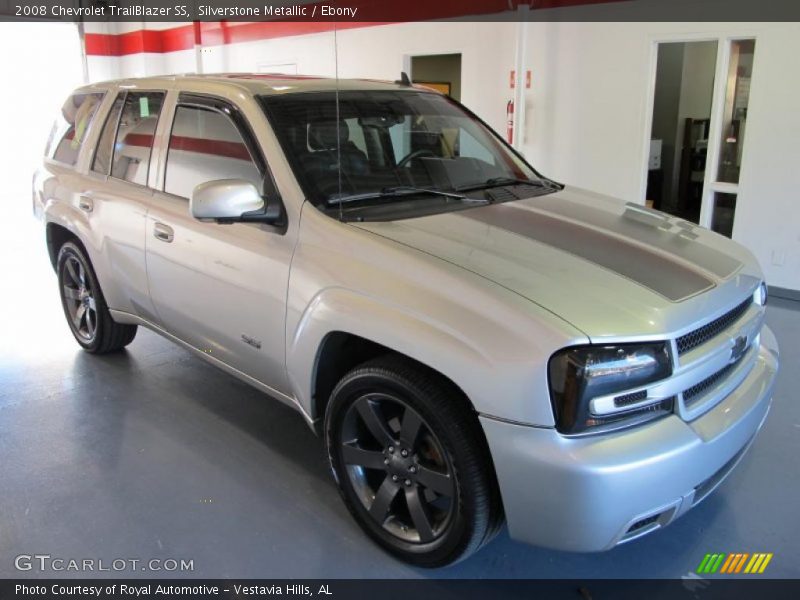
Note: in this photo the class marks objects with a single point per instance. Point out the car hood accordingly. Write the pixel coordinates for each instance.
(612, 269)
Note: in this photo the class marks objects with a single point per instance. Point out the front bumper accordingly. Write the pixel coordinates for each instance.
(591, 493)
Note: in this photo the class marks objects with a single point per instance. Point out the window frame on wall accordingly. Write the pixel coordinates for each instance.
(711, 184)
(714, 186)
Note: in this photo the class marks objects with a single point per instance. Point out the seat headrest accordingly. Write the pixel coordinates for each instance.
(322, 134)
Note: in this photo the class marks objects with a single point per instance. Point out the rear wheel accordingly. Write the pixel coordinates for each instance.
(411, 462)
(84, 306)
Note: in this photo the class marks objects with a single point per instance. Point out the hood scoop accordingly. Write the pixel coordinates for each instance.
(503, 194)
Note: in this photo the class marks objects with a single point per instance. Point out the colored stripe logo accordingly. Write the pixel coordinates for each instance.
(735, 562)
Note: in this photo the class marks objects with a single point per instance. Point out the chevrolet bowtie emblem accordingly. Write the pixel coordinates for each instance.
(739, 346)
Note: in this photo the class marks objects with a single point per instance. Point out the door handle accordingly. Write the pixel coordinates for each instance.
(163, 232)
(86, 204)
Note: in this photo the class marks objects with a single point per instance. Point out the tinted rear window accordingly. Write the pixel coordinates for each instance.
(135, 132)
(71, 126)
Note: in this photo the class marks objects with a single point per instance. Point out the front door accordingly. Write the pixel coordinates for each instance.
(220, 288)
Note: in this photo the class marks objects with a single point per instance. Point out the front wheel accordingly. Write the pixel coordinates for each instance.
(412, 463)
(84, 306)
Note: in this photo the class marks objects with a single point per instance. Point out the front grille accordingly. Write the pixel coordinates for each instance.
(700, 336)
(698, 389)
(632, 398)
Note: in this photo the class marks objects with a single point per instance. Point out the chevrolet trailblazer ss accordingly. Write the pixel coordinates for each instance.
(475, 342)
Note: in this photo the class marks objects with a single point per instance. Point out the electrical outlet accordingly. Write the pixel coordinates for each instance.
(778, 257)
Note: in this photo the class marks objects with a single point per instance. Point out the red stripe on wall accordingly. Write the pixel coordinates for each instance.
(374, 12)
(192, 144)
(213, 147)
(139, 41)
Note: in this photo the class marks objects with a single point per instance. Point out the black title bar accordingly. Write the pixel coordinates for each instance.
(349, 11)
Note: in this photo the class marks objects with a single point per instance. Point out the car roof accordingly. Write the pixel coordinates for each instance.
(256, 83)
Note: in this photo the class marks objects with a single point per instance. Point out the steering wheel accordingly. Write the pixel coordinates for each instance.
(415, 154)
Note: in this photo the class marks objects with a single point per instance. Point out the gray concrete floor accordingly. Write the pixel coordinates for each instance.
(151, 453)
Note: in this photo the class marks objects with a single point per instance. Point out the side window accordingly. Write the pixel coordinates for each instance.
(105, 147)
(471, 148)
(357, 135)
(421, 134)
(400, 135)
(134, 141)
(71, 126)
(205, 145)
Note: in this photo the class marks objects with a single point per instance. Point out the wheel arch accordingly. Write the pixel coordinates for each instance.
(57, 235)
(341, 351)
(341, 329)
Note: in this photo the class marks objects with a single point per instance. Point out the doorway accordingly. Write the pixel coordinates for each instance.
(441, 72)
(696, 138)
(681, 123)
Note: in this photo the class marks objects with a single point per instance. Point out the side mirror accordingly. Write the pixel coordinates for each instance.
(231, 200)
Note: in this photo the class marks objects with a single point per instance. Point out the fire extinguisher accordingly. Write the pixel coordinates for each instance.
(510, 121)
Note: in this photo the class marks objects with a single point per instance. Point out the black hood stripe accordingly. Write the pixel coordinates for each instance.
(658, 273)
(674, 240)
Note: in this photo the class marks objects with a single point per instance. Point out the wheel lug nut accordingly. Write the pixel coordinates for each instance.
(404, 453)
(395, 478)
(408, 482)
(391, 449)
(412, 468)
(386, 461)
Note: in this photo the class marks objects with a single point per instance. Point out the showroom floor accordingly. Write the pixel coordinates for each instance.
(151, 453)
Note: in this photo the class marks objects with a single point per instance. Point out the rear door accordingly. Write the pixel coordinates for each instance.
(116, 197)
(220, 288)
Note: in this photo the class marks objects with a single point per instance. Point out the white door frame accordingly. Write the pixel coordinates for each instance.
(710, 185)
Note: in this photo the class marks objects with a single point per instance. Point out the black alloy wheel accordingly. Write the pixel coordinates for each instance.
(411, 462)
(78, 294)
(85, 307)
(397, 467)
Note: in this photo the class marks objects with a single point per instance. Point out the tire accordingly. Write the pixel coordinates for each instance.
(412, 463)
(84, 305)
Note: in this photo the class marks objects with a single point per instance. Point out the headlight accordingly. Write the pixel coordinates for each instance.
(602, 387)
(760, 295)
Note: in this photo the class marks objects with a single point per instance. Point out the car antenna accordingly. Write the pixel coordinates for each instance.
(404, 79)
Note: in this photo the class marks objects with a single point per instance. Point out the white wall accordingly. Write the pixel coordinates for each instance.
(588, 119)
(378, 52)
(102, 68)
(381, 52)
(37, 78)
(588, 112)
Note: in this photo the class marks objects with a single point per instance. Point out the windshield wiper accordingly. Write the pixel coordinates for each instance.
(501, 181)
(399, 191)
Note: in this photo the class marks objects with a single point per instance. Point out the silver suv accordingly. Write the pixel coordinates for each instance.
(476, 342)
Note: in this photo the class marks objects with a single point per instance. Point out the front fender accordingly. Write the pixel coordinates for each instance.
(496, 386)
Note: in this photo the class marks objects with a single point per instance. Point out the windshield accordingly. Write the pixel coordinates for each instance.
(387, 140)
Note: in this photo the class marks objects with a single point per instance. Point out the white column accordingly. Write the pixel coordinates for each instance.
(520, 64)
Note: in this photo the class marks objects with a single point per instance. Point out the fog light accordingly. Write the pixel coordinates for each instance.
(760, 295)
